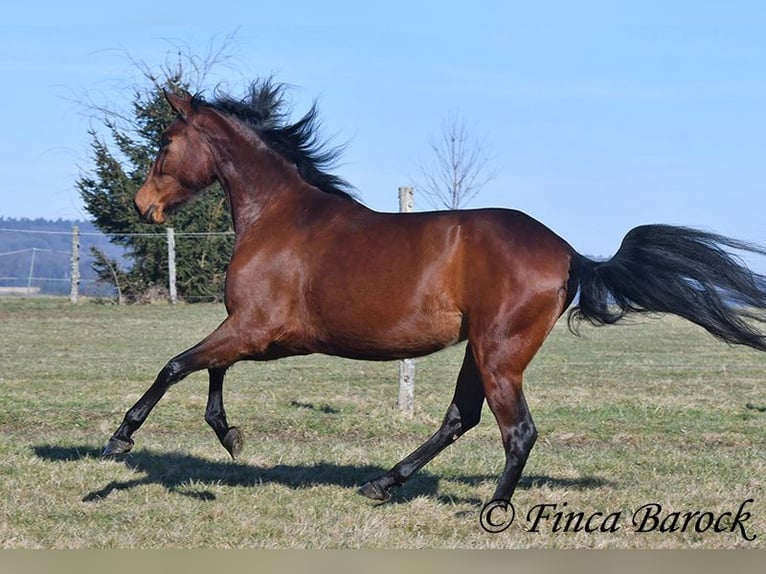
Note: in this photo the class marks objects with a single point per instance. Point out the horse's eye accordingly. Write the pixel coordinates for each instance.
(160, 162)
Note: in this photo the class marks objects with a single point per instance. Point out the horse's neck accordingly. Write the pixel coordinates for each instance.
(259, 183)
(262, 189)
(252, 178)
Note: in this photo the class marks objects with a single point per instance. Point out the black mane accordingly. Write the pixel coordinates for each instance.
(263, 110)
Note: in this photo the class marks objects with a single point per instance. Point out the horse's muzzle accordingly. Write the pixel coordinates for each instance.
(150, 214)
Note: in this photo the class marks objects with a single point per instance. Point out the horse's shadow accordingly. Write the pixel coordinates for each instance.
(190, 475)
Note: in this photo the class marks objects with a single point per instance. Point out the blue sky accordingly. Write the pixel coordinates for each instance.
(597, 116)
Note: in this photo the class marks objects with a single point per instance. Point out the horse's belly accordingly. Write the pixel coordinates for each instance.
(411, 336)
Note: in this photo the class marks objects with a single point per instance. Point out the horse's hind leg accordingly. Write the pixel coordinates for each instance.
(463, 414)
(215, 415)
(502, 364)
(518, 432)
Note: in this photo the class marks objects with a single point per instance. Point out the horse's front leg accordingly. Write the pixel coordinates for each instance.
(216, 352)
(215, 415)
(121, 440)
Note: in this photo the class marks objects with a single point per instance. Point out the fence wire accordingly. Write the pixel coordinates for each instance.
(39, 261)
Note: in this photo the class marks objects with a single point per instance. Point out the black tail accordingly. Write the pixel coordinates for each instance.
(677, 270)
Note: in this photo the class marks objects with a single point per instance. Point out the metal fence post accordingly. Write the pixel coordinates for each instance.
(31, 271)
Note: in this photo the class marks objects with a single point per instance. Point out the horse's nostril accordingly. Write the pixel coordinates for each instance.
(146, 216)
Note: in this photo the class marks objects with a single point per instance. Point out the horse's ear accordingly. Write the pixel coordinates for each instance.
(181, 103)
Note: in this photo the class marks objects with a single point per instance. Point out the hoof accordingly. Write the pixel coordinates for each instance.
(234, 441)
(374, 491)
(116, 446)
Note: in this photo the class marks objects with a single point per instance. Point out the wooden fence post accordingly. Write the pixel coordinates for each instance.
(74, 289)
(406, 400)
(172, 266)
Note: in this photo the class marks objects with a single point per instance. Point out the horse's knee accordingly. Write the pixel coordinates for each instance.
(172, 372)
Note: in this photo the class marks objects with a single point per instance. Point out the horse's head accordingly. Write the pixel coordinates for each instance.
(184, 164)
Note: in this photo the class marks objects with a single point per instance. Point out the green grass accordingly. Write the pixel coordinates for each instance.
(652, 412)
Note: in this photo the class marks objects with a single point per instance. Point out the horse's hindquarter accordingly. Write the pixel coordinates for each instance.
(518, 277)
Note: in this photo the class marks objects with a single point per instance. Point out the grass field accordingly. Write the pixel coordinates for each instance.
(655, 412)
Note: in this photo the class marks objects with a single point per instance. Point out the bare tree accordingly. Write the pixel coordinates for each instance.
(458, 170)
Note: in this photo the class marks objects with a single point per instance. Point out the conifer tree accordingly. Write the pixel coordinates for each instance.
(119, 167)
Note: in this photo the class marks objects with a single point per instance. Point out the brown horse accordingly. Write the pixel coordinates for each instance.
(314, 271)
